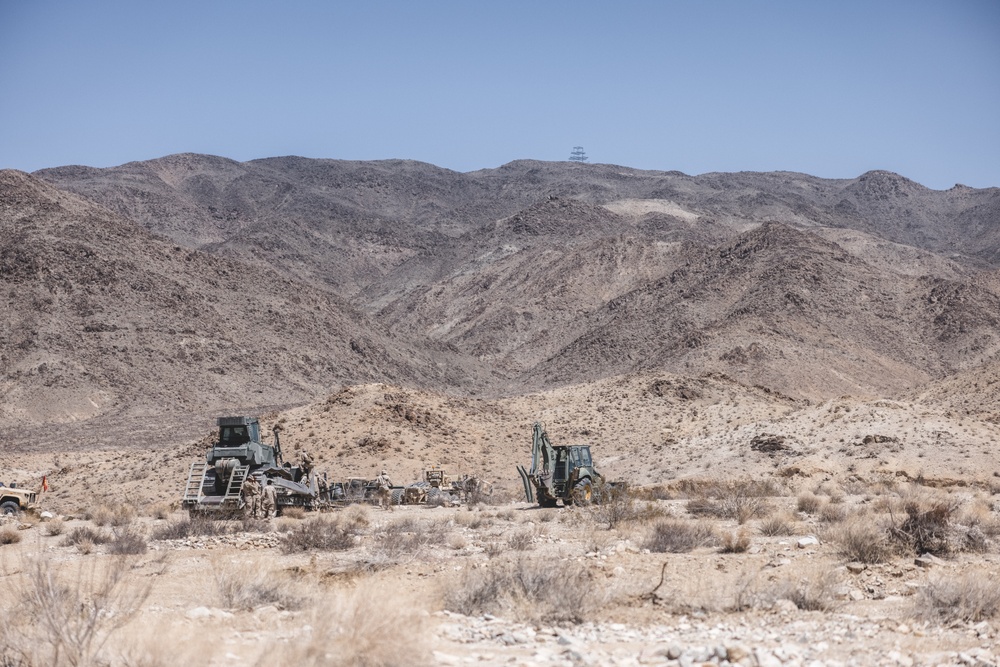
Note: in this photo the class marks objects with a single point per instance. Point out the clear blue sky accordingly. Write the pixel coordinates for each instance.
(827, 88)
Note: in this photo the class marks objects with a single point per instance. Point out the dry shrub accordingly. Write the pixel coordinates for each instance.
(527, 590)
(127, 541)
(160, 510)
(191, 527)
(861, 539)
(778, 525)
(297, 513)
(969, 597)
(812, 590)
(359, 628)
(927, 528)
(357, 517)
(809, 503)
(119, 515)
(736, 542)
(327, 534)
(741, 500)
(521, 540)
(832, 513)
(100, 515)
(10, 535)
(85, 534)
(248, 586)
(67, 619)
(54, 527)
(617, 503)
(676, 536)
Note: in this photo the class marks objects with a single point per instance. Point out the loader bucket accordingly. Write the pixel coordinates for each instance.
(529, 491)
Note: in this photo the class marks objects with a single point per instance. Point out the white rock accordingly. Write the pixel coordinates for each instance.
(807, 541)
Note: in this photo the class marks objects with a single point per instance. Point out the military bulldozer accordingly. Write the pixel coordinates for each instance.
(213, 486)
(559, 472)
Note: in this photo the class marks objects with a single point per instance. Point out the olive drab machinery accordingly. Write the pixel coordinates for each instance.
(213, 486)
(563, 472)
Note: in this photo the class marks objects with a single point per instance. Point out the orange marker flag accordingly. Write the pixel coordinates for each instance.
(45, 483)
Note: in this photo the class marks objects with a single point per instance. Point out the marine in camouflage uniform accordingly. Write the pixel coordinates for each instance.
(384, 490)
(269, 500)
(251, 496)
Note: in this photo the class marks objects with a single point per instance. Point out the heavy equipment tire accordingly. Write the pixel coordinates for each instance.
(396, 497)
(583, 492)
(10, 507)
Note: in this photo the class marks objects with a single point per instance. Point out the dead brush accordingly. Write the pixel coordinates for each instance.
(679, 536)
(66, 620)
(926, 528)
(740, 500)
(527, 590)
(736, 542)
(861, 539)
(617, 504)
(321, 533)
(9, 535)
(813, 590)
(521, 540)
(85, 534)
(55, 527)
(779, 525)
(127, 541)
(247, 586)
(970, 597)
(191, 527)
(358, 627)
(295, 513)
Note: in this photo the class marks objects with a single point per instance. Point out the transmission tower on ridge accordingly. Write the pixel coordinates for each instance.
(577, 155)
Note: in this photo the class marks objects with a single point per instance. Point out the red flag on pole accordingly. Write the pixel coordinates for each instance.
(45, 483)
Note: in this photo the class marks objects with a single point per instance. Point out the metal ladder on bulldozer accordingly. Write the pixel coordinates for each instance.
(236, 483)
(192, 492)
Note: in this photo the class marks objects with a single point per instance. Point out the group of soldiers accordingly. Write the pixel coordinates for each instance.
(260, 503)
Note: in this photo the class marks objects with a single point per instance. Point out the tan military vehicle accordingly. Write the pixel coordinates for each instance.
(14, 501)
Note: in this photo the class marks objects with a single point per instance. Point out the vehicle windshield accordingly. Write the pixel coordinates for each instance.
(233, 436)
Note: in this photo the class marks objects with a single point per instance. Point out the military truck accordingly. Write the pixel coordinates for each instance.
(563, 472)
(213, 486)
(14, 500)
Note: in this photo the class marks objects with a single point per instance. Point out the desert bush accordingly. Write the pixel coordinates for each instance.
(538, 590)
(191, 527)
(813, 590)
(160, 510)
(127, 541)
(100, 515)
(676, 536)
(832, 513)
(297, 513)
(616, 504)
(969, 597)
(9, 535)
(68, 619)
(731, 502)
(863, 540)
(321, 533)
(248, 587)
(926, 528)
(54, 527)
(777, 525)
(521, 540)
(356, 517)
(85, 534)
(358, 628)
(736, 542)
(808, 503)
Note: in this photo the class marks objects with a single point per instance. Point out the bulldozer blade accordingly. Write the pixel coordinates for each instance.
(529, 492)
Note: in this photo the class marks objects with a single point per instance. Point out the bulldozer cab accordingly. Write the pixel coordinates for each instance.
(239, 438)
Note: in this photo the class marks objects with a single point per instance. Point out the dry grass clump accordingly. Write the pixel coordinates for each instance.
(832, 513)
(127, 541)
(191, 527)
(160, 510)
(322, 533)
(297, 513)
(405, 538)
(778, 525)
(528, 590)
(67, 619)
(357, 627)
(119, 515)
(521, 540)
(618, 503)
(732, 500)
(736, 542)
(54, 527)
(969, 597)
(813, 590)
(678, 536)
(9, 535)
(808, 503)
(927, 528)
(861, 539)
(85, 534)
(246, 587)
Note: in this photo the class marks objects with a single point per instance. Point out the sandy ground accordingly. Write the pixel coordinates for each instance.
(401, 604)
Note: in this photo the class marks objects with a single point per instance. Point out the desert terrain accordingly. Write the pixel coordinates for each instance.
(797, 378)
